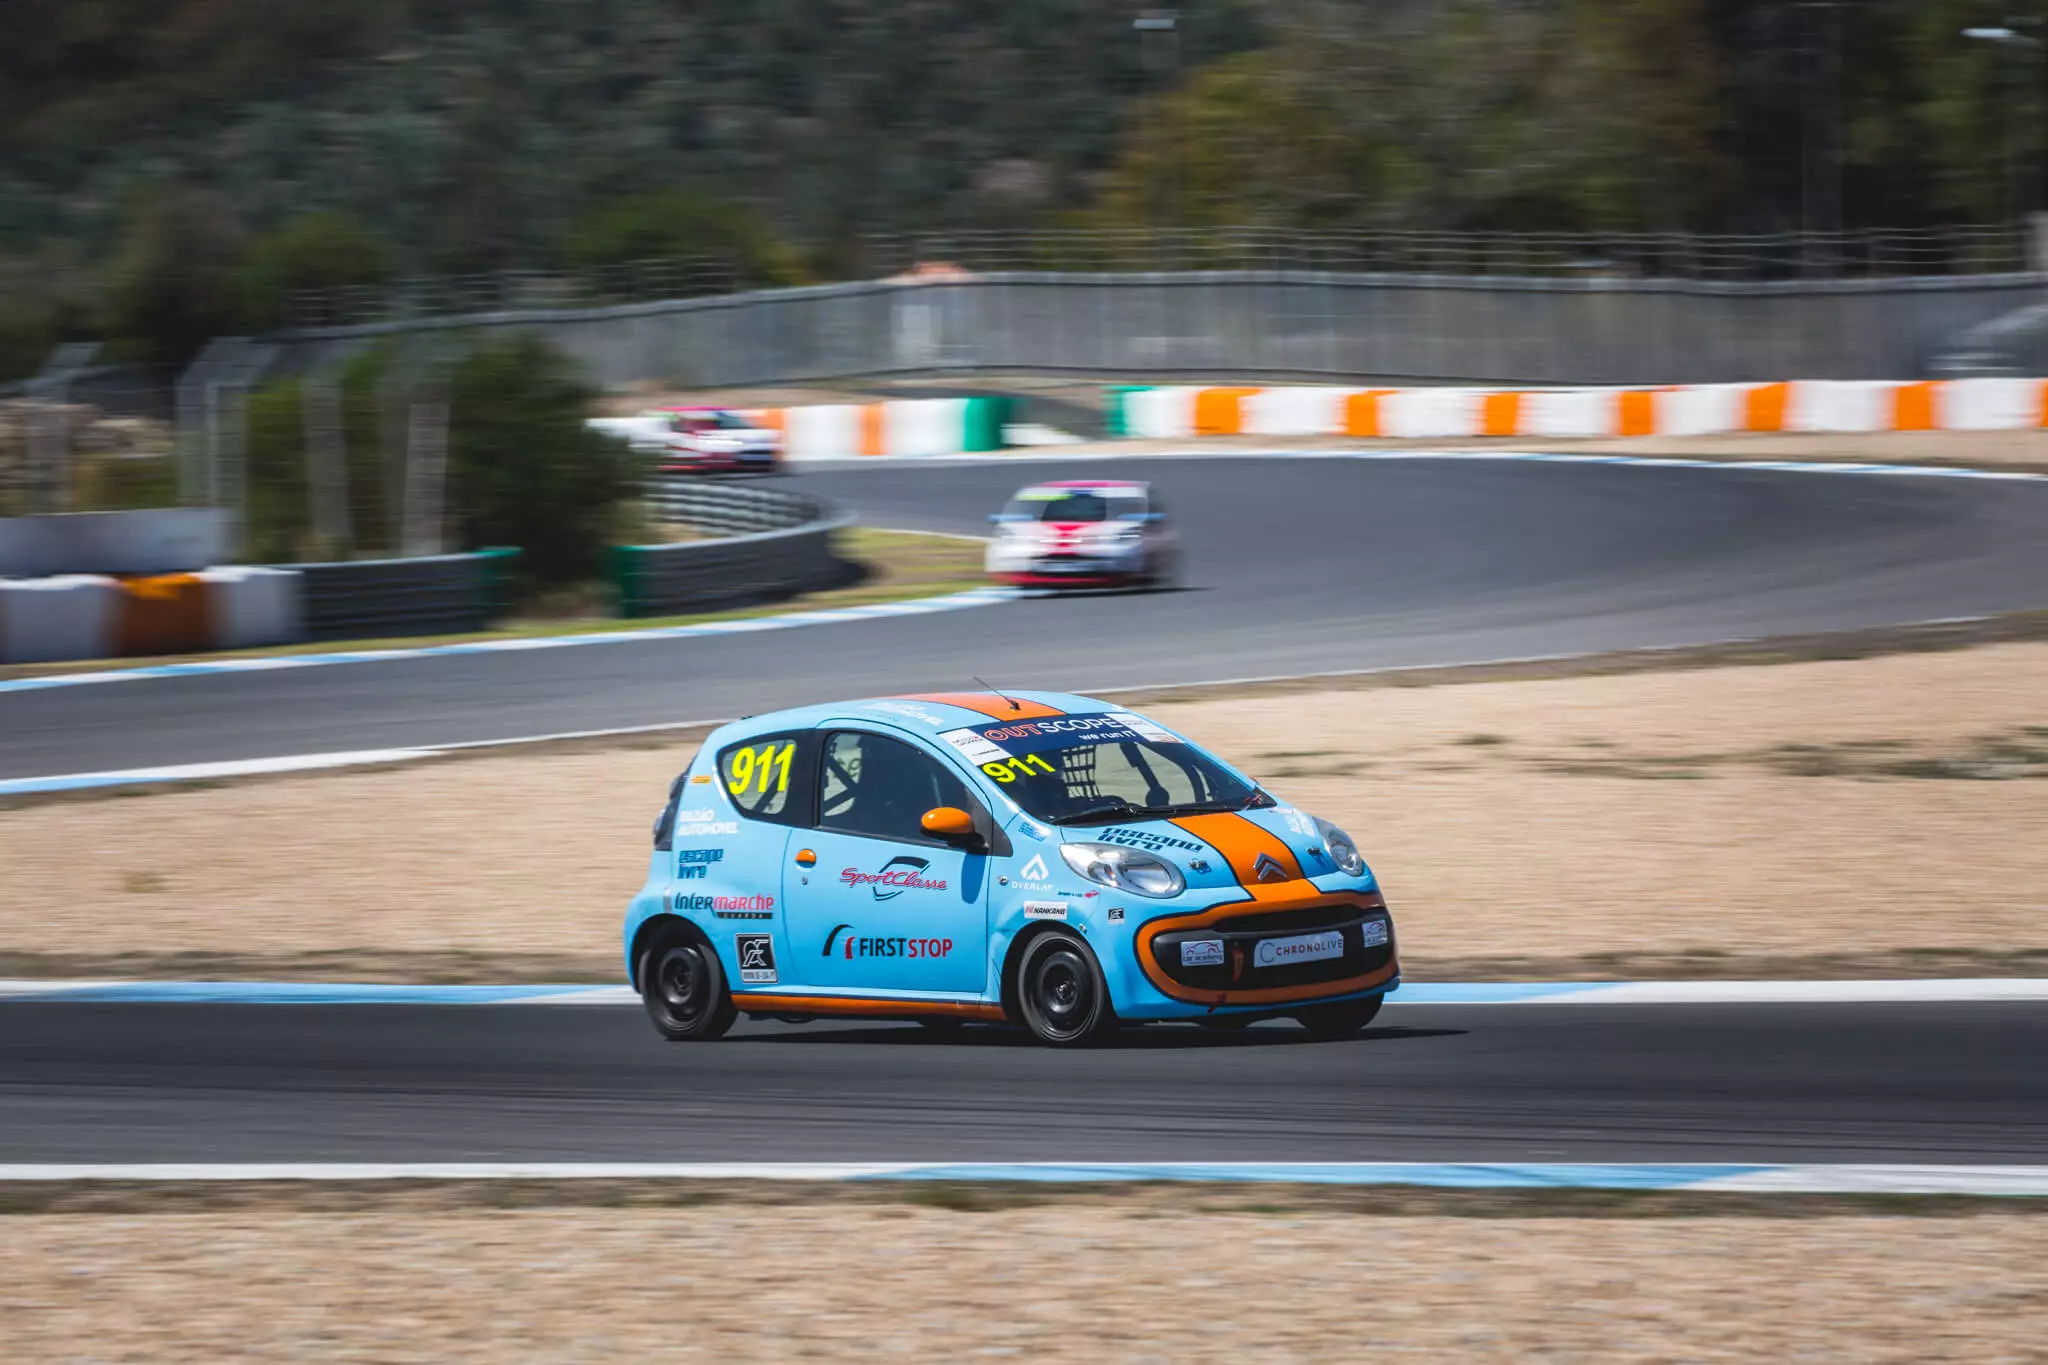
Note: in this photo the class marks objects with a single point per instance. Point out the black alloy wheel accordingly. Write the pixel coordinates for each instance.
(1060, 991)
(683, 987)
(1341, 1019)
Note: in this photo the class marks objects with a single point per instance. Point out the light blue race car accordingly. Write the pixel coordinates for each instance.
(1034, 859)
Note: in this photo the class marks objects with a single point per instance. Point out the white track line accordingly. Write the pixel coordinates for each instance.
(1706, 1177)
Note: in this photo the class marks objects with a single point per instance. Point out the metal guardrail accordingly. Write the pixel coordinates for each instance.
(372, 598)
(786, 546)
(723, 508)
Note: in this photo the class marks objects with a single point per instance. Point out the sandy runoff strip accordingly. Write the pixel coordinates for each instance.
(1870, 817)
(1170, 1275)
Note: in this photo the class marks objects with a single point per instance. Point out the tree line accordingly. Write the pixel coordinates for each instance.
(174, 169)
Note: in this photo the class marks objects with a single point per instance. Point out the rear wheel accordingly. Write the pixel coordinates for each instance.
(1341, 1019)
(683, 988)
(1060, 991)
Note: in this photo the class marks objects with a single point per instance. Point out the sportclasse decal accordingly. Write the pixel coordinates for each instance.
(897, 876)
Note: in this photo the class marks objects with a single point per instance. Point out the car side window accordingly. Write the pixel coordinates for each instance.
(768, 778)
(871, 784)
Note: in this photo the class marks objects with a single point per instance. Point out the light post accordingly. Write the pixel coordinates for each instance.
(1165, 22)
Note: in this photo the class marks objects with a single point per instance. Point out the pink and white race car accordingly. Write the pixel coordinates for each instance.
(1084, 533)
(703, 440)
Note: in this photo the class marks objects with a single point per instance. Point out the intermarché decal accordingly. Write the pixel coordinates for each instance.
(855, 945)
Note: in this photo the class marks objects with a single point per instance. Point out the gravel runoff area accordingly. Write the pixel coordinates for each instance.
(1176, 1274)
(1882, 816)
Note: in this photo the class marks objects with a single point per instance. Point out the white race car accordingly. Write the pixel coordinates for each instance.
(1084, 533)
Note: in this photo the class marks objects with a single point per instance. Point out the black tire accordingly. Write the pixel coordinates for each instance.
(1061, 996)
(683, 988)
(1341, 1019)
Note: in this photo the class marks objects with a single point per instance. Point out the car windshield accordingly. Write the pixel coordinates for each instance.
(1097, 769)
(1071, 505)
(730, 421)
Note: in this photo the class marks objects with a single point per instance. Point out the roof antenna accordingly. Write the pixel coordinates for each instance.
(1005, 696)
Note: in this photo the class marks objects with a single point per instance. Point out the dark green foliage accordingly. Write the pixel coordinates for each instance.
(313, 251)
(676, 225)
(280, 519)
(523, 468)
(173, 285)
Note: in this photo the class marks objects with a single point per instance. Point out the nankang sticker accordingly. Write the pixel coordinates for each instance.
(1045, 909)
(756, 954)
(1201, 952)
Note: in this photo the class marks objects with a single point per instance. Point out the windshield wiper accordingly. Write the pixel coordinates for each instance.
(1124, 810)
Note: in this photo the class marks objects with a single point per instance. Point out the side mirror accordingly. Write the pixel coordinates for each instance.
(950, 823)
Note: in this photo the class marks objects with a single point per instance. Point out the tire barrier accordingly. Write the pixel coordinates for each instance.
(434, 595)
(90, 616)
(772, 544)
(1836, 405)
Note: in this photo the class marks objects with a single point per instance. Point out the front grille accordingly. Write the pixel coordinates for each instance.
(1241, 935)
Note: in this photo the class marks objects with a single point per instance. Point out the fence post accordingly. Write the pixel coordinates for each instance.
(426, 471)
(326, 459)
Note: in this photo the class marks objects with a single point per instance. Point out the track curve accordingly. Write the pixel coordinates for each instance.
(220, 1083)
(1294, 565)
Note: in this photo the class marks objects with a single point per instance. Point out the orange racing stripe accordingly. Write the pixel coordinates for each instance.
(1240, 841)
(998, 708)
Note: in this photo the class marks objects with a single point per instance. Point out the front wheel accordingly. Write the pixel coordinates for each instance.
(683, 988)
(1060, 992)
(1342, 1019)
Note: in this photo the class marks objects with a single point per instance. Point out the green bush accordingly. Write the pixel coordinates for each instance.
(173, 285)
(677, 224)
(523, 468)
(315, 251)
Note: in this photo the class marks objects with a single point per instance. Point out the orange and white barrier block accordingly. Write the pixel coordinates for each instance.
(1447, 413)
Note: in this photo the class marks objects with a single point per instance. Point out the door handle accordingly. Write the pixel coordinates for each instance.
(806, 858)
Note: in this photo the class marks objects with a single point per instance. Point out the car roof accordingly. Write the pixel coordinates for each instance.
(929, 713)
(1095, 485)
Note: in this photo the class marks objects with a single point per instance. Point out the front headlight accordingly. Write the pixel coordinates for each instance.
(1126, 869)
(1343, 852)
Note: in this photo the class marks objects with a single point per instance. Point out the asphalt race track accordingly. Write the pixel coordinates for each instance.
(1953, 1083)
(1293, 566)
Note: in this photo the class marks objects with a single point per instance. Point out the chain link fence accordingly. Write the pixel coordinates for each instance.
(1876, 253)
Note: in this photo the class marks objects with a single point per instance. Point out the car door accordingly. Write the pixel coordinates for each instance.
(878, 904)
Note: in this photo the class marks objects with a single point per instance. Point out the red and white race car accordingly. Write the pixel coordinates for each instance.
(1084, 533)
(701, 440)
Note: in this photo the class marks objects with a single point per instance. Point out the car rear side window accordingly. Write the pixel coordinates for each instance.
(768, 777)
(871, 784)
